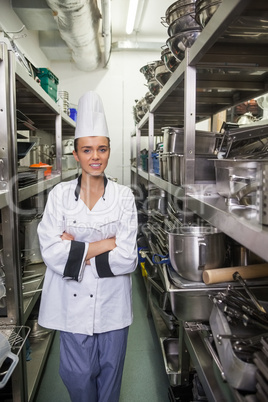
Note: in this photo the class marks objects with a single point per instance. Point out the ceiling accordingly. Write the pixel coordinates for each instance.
(149, 31)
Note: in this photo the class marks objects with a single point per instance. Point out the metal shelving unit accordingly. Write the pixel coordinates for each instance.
(24, 105)
(227, 65)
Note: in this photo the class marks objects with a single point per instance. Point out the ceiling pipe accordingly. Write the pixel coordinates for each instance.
(78, 23)
(106, 30)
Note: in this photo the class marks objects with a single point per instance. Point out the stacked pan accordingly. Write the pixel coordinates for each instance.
(204, 10)
(183, 29)
(156, 75)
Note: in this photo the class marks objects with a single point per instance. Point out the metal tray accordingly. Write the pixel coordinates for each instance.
(239, 374)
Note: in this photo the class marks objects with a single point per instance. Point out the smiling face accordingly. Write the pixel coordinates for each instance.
(92, 153)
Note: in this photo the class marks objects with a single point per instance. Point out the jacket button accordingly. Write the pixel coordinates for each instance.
(91, 295)
(75, 295)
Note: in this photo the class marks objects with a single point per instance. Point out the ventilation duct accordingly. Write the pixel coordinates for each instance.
(78, 24)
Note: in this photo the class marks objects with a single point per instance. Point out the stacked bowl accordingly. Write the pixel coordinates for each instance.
(183, 29)
(156, 75)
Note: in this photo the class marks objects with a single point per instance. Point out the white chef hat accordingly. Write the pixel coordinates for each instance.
(91, 120)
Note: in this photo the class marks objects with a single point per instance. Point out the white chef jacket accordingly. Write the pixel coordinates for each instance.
(82, 298)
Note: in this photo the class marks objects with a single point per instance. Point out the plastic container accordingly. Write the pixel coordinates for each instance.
(156, 163)
(73, 113)
(144, 162)
(49, 82)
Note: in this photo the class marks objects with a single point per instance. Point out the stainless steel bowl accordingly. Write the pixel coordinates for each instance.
(149, 98)
(154, 86)
(183, 23)
(205, 10)
(179, 9)
(179, 42)
(149, 68)
(162, 74)
(169, 59)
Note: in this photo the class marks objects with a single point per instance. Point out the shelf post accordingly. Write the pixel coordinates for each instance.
(189, 121)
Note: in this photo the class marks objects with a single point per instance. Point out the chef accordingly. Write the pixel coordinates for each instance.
(88, 243)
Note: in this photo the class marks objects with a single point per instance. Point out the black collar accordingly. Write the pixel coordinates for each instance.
(78, 187)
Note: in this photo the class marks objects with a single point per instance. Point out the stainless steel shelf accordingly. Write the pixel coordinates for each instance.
(245, 231)
(32, 287)
(68, 174)
(37, 188)
(231, 64)
(215, 388)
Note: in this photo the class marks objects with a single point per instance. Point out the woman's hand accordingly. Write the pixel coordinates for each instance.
(100, 247)
(66, 236)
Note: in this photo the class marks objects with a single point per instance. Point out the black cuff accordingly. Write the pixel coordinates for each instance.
(103, 266)
(73, 265)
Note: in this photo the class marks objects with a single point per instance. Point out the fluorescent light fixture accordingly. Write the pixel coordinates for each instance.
(132, 12)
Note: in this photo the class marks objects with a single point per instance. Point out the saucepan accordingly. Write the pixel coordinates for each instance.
(193, 249)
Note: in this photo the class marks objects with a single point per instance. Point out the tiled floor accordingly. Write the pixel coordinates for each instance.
(144, 377)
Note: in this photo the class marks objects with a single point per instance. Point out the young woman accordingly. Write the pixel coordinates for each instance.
(88, 243)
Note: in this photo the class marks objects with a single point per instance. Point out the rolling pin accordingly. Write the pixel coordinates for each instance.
(217, 275)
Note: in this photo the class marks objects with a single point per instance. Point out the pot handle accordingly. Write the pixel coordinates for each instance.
(164, 259)
(202, 252)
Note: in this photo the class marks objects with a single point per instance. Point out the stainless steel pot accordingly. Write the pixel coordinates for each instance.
(205, 142)
(204, 169)
(194, 249)
(31, 250)
(164, 166)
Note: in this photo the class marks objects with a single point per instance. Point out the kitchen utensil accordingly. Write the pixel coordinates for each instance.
(226, 274)
(179, 42)
(203, 172)
(179, 9)
(148, 70)
(169, 59)
(194, 249)
(239, 374)
(162, 74)
(238, 277)
(5, 352)
(205, 10)
(183, 23)
(173, 141)
(154, 86)
(32, 252)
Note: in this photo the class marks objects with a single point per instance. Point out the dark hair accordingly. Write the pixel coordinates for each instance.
(76, 143)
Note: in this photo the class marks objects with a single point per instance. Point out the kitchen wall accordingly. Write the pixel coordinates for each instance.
(119, 85)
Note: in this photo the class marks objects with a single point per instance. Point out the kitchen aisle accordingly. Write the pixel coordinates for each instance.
(144, 377)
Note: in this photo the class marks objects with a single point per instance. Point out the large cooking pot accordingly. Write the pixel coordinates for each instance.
(193, 249)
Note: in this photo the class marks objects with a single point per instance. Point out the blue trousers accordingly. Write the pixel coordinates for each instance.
(91, 367)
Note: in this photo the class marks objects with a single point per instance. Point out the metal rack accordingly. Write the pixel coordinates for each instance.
(22, 96)
(226, 66)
